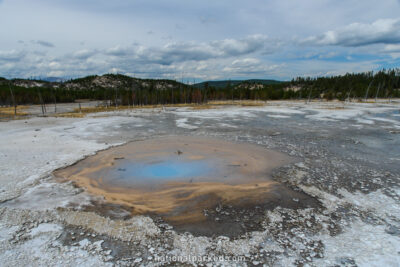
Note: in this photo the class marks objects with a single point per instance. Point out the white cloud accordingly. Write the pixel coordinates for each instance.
(382, 31)
(54, 64)
(119, 51)
(253, 43)
(55, 73)
(225, 39)
(246, 62)
(392, 47)
(196, 51)
(393, 50)
(247, 66)
(44, 43)
(317, 67)
(84, 54)
(12, 55)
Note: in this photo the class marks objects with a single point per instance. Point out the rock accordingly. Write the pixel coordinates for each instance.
(138, 260)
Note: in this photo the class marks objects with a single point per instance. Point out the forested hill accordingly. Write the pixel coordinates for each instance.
(382, 84)
(95, 82)
(113, 87)
(225, 83)
(125, 90)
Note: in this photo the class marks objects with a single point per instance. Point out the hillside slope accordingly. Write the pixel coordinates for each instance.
(224, 83)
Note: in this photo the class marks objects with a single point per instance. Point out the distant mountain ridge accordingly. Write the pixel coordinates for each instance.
(118, 80)
(126, 90)
(123, 81)
(93, 82)
(224, 83)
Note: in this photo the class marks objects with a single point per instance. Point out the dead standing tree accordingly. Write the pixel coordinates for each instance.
(134, 95)
(115, 98)
(366, 94)
(348, 95)
(42, 105)
(397, 82)
(55, 102)
(13, 100)
(309, 96)
(377, 92)
(53, 93)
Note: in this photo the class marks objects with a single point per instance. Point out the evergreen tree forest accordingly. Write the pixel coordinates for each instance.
(125, 90)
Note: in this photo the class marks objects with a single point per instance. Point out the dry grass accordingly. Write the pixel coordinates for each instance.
(79, 113)
(202, 106)
(252, 103)
(98, 109)
(9, 112)
(70, 115)
(215, 104)
(243, 103)
(332, 108)
(373, 101)
(86, 110)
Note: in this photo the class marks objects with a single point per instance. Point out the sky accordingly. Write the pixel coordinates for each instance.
(194, 41)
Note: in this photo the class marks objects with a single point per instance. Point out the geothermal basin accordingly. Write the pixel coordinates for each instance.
(206, 186)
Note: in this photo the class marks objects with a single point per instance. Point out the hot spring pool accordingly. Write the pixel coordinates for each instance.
(179, 178)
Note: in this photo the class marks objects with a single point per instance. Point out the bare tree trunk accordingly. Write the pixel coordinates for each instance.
(55, 101)
(377, 92)
(13, 100)
(41, 102)
(348, 95)
(309, 96)
(116, 105)
(366, 94)
(132, 95)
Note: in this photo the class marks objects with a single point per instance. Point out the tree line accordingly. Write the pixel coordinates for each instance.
(381, 84)
(125, 90)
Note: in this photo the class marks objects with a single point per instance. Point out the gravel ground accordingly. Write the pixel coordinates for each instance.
(349, 161)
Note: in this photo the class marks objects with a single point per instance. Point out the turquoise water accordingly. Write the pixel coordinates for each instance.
(170, 169)
(136, 173)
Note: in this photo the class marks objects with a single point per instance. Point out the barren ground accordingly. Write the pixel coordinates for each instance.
(349, 162)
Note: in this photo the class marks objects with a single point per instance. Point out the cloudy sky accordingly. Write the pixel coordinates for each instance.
(198, 40)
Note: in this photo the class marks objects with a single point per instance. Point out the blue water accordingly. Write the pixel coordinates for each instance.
(174, 169)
